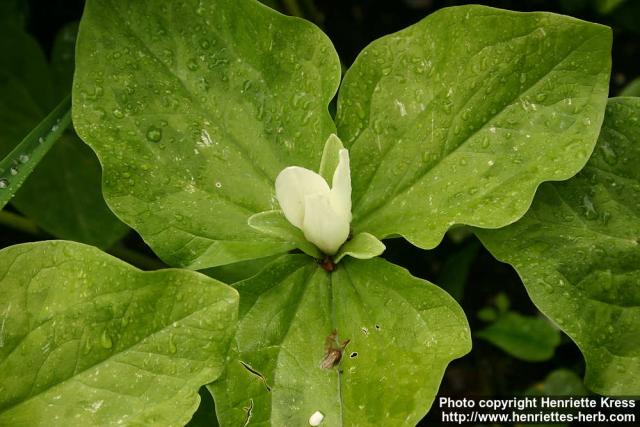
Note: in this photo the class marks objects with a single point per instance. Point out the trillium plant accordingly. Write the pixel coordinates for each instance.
(211, 124)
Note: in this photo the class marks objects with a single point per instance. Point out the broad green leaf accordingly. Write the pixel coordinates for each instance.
(578, 253)
(403, 332)
(361, 246)
(193, 109)
(63, 194)
(459, 118)
(528, 338)
(86, 339)
(273, 223)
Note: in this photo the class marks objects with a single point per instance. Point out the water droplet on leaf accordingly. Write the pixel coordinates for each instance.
(154, 134)
(105, 340)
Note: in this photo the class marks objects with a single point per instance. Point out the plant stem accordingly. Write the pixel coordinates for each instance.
(17, 222)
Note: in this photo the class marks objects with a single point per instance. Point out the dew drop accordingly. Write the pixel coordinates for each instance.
(172, 345)
(4, 183)
(105, 340)
(13, 171)
(118, 114)
(23, 158)
(154, 134)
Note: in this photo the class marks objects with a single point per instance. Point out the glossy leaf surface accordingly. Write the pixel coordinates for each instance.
(193, 109)
(578, 253)
(459, 118)
(402, 333)
(86, 339)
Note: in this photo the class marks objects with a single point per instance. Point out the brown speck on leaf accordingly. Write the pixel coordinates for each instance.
(333, 349)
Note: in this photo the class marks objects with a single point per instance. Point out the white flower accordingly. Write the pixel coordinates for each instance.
(322, 213)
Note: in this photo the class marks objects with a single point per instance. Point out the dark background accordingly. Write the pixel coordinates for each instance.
(352, 24)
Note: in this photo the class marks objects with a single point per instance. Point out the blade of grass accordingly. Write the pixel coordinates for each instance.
(22, 160)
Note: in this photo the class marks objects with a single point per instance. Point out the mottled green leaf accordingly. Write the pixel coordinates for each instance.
(528, 338)
(194, 108)
(578, 253)
(403, 332)
(63, 194)
(86, 339)
(459, 118)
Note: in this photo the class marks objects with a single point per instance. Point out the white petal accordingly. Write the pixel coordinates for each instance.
(292, 185)
(323, 225)
(341, 185)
